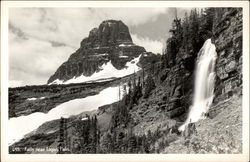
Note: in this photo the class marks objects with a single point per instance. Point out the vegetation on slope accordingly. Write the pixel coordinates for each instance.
(147, 118)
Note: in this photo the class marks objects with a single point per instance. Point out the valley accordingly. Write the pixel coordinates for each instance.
(134, 101)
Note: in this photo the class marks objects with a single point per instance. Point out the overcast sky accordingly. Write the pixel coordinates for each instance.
(41, 39)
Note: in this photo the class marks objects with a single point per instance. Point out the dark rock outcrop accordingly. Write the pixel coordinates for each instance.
(111, 41)
(179, 77)
(109, 33)
(228, 44)
(46, 97)
(168, 102)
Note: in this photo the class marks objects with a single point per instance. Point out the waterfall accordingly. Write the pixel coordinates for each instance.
(204, 84)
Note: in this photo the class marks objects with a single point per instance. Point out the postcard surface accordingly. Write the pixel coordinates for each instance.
(124, 81)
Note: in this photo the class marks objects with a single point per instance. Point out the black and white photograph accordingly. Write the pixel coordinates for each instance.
(121, 80)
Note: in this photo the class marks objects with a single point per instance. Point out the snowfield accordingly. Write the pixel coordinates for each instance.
(108, 71)
(18, 127)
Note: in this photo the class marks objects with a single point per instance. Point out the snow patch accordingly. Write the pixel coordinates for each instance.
(18, 127)
(108, 71)
(123, 56)
(110, 23)
(125, 45)
(57, 81)
(101, 54)
(101, 80)
(33, 98)
(84, 118)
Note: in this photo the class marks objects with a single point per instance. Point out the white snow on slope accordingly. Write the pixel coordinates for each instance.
(101, 54)
(123, 56)
(108, 71)
(125, 45)
(20, 126)
(33, 98)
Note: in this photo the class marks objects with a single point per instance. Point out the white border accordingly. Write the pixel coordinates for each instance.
(5, 5)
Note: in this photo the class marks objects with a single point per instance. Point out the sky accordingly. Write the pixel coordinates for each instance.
(41, 39)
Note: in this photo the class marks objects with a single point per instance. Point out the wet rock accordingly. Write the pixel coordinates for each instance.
(189, 130)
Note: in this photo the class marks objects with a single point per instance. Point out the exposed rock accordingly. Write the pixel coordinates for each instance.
(219, 135)
(175, 112)
(231, 66)
(190, 130)
(168, 102)
(48, 97)
(108, 42)
(179, 76)
(228, 42)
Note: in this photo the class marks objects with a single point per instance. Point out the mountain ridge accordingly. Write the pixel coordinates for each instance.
(111, 41)
(147, 118)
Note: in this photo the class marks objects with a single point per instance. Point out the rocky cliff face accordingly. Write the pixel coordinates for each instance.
(111, 41)
(29, 99)
(228, 42)
(227, 37)
(166, 106)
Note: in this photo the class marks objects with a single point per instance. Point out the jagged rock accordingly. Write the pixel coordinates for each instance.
(178, 76)
(109, 33)
(228, 42)
(177, 79)
(111, 41)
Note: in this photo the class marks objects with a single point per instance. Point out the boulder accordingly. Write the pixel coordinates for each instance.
(231, 66)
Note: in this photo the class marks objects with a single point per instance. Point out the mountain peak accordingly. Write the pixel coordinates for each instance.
(109, 42)
(109, 33)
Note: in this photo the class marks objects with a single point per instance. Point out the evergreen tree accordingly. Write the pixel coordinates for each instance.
(149, 86)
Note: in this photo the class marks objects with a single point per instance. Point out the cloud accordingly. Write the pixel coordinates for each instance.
(15, 83)
(41, 39)
(71, 25)
(131, 16)
(66, 26)
(32, 61)
(150, 45)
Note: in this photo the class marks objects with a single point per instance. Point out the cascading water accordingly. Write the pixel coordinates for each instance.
(204, 84)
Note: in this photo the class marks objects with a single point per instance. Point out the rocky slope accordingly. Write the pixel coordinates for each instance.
(149, 123)
(225, 116)
(42, 98)
(111, 41)
(30, 99)
(218, 135)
